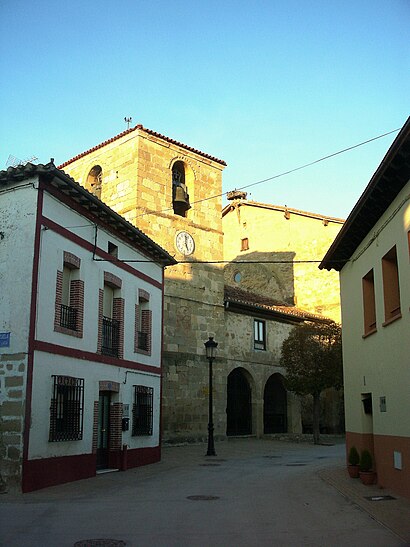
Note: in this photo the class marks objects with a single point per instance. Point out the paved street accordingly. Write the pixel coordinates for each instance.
(263, 493)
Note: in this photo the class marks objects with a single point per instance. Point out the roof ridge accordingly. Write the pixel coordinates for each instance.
(289, 310)
(150, 132)
(283, 208)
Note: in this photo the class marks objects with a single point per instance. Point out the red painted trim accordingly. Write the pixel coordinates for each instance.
(46, 472)
(136, 457)
(93, 218)
(47, 347)
(162, 360)
(32, 327)
(51, 225)
(382, 448)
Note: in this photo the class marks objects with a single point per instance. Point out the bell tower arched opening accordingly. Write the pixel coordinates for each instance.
(94, 181)
(180, 196)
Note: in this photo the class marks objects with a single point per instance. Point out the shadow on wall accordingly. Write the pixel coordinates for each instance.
(270, 275)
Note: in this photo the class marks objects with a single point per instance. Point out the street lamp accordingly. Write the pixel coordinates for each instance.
(210, 347)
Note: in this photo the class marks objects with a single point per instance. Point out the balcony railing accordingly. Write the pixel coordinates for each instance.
(143, 341)
(68, 318)
(110, 336)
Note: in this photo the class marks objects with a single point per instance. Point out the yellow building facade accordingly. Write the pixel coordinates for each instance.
(272, 255)
(281, 249)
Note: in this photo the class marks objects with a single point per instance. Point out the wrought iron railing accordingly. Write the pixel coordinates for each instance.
(110, 336)
(142, 412)
(68, 318)
(143, 342)
(66, 410)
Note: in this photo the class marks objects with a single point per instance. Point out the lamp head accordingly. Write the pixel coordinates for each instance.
(210, 347)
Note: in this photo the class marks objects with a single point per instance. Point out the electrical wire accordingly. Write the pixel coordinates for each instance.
(304, 166)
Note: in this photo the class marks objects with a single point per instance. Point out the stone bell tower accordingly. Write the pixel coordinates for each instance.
(172, 192)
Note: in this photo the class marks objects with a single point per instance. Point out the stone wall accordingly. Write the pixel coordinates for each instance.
(137, 183)
(12, 385)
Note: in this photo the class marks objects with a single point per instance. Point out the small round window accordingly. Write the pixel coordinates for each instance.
(237, 277)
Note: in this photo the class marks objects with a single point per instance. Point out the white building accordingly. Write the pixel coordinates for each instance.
(80, 333)
(372, 254)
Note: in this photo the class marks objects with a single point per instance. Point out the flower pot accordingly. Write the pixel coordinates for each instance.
(353, 471)
(367, 477)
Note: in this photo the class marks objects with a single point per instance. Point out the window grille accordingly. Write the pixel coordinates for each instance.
(143, 341)
(142, 411)
(110, 336)
(259, 334)
(68, 317)
(67, 409)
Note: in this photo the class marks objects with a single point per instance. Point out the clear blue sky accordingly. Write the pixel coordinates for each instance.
(265, 85)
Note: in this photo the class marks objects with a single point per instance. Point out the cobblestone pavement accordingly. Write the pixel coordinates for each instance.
(253, 493)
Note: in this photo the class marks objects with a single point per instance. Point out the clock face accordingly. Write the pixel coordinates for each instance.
(185, 243)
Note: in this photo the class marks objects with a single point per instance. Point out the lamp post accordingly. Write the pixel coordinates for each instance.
(210, 347)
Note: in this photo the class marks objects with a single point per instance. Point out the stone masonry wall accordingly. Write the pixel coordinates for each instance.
(137, 183)
(12, 395)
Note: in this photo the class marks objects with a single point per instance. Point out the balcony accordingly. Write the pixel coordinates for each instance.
(110, 337)
(68, 318)
(143, 341)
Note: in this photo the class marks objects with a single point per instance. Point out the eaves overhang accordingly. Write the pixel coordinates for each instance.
(54, 178)
(390, 178)
(240, 301)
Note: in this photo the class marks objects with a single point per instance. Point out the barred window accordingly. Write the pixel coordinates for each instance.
(259, 334)
(67, 408)
(142, 410)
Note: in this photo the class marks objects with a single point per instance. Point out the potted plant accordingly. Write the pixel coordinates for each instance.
(353, 459)
(366, 473)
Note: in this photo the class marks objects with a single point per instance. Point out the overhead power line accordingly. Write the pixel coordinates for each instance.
(288, 172)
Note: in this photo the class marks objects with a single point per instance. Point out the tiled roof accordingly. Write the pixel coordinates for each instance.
(57, 179)
(390, 178)
(238, 203)
(263, 303)
(150, 132)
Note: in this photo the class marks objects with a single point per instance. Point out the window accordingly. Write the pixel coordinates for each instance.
(66, 410)
(180, 197)
(110, 326)
(391, 289)
(244, 244)
(237, 277)
(142, 411)
(369, 303)
(94, 181)
(112, 249)
(69, 304)
(143, 324)
(367, 403)
(111, 317)
(259, 334)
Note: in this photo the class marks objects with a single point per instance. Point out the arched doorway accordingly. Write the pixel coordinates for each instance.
(239, 404)
(275, 406)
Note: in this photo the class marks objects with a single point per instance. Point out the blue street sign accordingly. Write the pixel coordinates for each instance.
(4, 339)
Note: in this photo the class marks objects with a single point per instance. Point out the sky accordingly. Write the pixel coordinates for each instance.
(267, 86)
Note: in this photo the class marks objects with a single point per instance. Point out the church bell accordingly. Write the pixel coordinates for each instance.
(181, 199)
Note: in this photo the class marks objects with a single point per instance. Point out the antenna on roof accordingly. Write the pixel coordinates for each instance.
(128, 121)
(12, 161)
